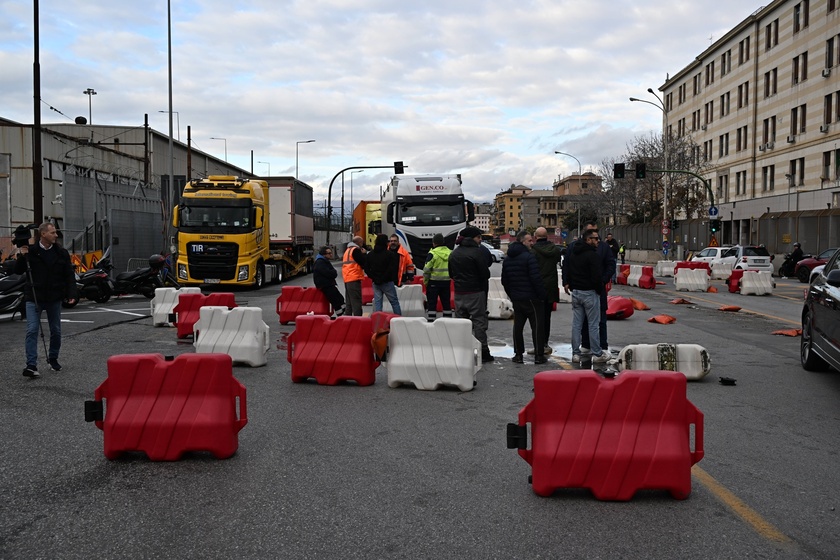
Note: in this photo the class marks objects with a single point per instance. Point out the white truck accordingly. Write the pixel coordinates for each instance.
(416, 207)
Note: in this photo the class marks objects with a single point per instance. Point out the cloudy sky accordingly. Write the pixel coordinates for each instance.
(486, 88)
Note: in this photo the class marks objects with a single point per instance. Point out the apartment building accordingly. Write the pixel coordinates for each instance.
(763, 105)
(509, 210)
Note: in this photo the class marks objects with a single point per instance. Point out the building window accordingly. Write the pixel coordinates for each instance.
(681, 94)
(797, 172)
(743, 95)
(724, 104)
(743, 50)
(770, 82)
(726, 62)
(741, 139)
(768, 173)
(797, 119)
(723, 145)
(832, 51)
(669, 101)
(769, 130)
(723, 188)
(741, 182)
(771, 34)
(710, 73)
(828, 108)
(832, 5)
(681, 127)
(708, 149)
(800, 16)
(799, 69)
(697, 83)
(709, 113)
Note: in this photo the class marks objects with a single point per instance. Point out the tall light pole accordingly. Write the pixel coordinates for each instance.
(269, 167)
(297, 146)
(665, 135)
(580, 189)
(178, 118)
(90, 93)
(351, 197)
(225, 139)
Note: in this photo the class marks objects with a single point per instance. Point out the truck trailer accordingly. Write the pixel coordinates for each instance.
(237, 231)
(416, 207)
(367, 220)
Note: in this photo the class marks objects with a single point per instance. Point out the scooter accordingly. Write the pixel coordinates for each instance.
(11, 294)
(97, 285)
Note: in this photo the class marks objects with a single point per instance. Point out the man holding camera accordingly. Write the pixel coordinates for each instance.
(50, 280)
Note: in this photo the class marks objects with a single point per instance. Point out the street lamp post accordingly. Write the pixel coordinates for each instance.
(269, 167)
(297, 151)
(225, 140)
(665, 135)
(178, 118)
(580, 188)
(351, 196)
(90, 93)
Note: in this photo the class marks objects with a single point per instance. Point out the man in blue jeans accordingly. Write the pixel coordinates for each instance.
(50, 280)
(583, 278)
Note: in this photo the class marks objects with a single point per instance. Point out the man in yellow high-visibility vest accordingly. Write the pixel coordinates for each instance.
(436, 278)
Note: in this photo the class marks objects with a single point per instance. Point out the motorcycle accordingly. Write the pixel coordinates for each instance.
(97, 285)
(788, 267)
(11, 294)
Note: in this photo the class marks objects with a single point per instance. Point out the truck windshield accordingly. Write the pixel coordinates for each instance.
(216, 218)
(431, 214)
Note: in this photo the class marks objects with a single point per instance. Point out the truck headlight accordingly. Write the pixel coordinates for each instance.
(243, 273)
(182, 271)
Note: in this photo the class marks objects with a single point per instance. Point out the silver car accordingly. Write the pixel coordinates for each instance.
(498, 256)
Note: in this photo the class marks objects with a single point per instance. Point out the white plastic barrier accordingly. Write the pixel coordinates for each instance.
(239, 332)
(429, 355)
(498, 303)
(692, 360)
(412, 301)
(635, 275)
(721, 271)
(664, 269)
(498, 308)
(165, 301)
(757, 283)
(692, 280)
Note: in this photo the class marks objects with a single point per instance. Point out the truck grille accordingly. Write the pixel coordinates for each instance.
(212, 260)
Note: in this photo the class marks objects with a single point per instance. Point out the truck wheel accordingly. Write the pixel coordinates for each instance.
(281, 272)
(259, 276)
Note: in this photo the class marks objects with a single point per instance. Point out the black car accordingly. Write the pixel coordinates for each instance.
(820, 344)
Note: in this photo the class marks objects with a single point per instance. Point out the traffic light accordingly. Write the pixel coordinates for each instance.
(641, 171)
(675, 224)
(398, 168)
(618, 171)
(714, 225)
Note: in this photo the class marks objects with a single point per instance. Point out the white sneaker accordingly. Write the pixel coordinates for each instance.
(585, 351)
(531, 352)
(601, 358)
(575, 358)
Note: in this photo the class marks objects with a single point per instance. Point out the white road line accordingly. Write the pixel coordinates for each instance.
(123, 312)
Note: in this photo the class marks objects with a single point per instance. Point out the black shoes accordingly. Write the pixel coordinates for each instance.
(54, 365)
(486, 357)
(540, 360)
(31, 371)
(518, 359)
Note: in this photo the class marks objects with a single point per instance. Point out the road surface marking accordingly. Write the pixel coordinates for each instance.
(713, 302)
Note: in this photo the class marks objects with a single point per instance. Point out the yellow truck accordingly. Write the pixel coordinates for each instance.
(237, 231)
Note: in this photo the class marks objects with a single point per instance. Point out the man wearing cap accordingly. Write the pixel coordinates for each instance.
(352, 272)
(469, 268)
(436, 278)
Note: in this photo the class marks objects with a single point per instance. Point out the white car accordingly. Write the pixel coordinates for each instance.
(748, 257)
(710, 254)
(498, 256)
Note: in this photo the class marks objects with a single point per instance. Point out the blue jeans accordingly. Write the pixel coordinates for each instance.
(33, 322)
(586, 304)
(390, 292)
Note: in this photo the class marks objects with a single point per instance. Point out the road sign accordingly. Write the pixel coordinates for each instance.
(666, 223)
(665, 245)
(713, 242)
(665, 252)
(665, 231)
(713, 211)
(564, 234)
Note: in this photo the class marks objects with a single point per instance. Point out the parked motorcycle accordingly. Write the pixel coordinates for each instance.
(11, 294)
(97, 285)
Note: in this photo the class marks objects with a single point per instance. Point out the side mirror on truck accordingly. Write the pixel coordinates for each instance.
(390, 213)
(258, 218)
(175, 215)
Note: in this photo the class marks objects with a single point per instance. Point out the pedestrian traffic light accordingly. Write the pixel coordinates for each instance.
(398, 168)
(618, 171)
(641, 171)
(714, 225)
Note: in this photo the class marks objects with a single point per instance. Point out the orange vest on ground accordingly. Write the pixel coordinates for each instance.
(351, 271)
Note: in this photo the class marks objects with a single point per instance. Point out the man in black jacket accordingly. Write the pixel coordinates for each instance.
(383, 268)
(548, 256)
(324, 275)
(583, 278)
(50, 282)
(524, 285)
(469, 268)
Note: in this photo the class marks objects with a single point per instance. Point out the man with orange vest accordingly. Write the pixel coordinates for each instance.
(407, 270)
(352, 272)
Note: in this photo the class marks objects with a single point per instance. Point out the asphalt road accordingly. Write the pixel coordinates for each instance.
(374, 472)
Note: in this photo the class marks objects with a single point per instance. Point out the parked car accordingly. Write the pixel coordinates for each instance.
(820, 343)
(498, 256)
(748, 257)
(805, 266)
(710, 254)
(816, 272)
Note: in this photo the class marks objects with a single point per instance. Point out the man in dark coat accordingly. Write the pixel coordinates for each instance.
(50, 280)
(324, 275)
(469, 268)
(524, 285)
(383, 268)
(583, 278)
(548, 256)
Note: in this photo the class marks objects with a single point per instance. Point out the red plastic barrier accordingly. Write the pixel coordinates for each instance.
(693, 266)
(613, 436)
(381, 320)
(367, 291)
(332, 351)
(301, 300)
(166, 407)
(623, 273)
(619, 307)
(188, 310)
(417, 280)
(734, 281)
(647, 279)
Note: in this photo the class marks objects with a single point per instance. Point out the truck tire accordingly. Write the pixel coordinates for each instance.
(259, 276)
